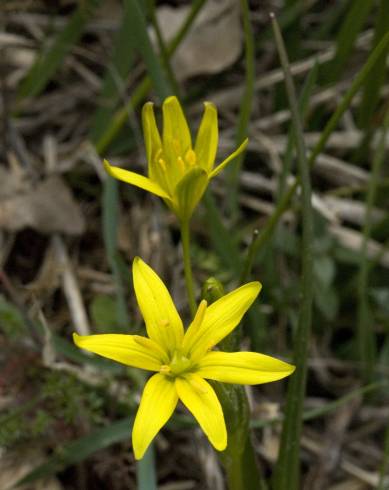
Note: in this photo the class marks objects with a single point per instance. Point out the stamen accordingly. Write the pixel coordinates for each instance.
(162, 162)
(190, 157)
(165, 369)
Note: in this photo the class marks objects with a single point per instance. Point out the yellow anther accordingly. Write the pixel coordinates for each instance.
(165, 369)
(164, 323)
(162, 162)
(190, 157)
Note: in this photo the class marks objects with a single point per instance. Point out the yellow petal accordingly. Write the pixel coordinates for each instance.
(126, 349)
(220, 319)
(189, 191)
(135, 179)
(200, 399)
(176, 135)
(207, 138)
(150, 132)
(229, 159)
(249, 368)
(159, 399)
(163, 323)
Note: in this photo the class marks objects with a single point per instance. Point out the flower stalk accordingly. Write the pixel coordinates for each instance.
(185, 240)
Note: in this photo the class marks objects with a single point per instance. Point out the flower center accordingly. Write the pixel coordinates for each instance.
(179, 364)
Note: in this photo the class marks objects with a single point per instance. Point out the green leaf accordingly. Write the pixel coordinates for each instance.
(356, 17)
(80, 449)
(245, 109)
(139, 35)
(376, 77)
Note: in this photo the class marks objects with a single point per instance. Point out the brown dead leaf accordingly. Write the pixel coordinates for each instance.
(47, 207)
(213, 43)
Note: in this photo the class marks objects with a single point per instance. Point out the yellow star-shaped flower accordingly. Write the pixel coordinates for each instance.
(177, 172)
(182, 359)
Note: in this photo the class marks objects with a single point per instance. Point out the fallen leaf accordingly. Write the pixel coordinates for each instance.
(214, 41)
(47, 207)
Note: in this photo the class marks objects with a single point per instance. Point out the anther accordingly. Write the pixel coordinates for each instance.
(164, 323)
(165, 369)
(161, 161)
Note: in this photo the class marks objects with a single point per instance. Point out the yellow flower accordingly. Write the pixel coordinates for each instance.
(177, 172)
(182, 360)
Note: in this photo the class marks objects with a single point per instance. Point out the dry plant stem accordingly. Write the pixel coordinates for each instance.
(71, 288)
(185, 240)
(287, 471)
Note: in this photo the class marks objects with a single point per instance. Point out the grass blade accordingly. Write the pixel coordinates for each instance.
(139, 36)
(351, 27)
(287, 471)
(283, 204)
(365, 333)
(376, 77)
(78, 450)
(115, 76)
(49, 61)
(120, 117)
(244, 111)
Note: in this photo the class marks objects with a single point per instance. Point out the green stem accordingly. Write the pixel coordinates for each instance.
(287, 471)
(185, 239)
(365, 334)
